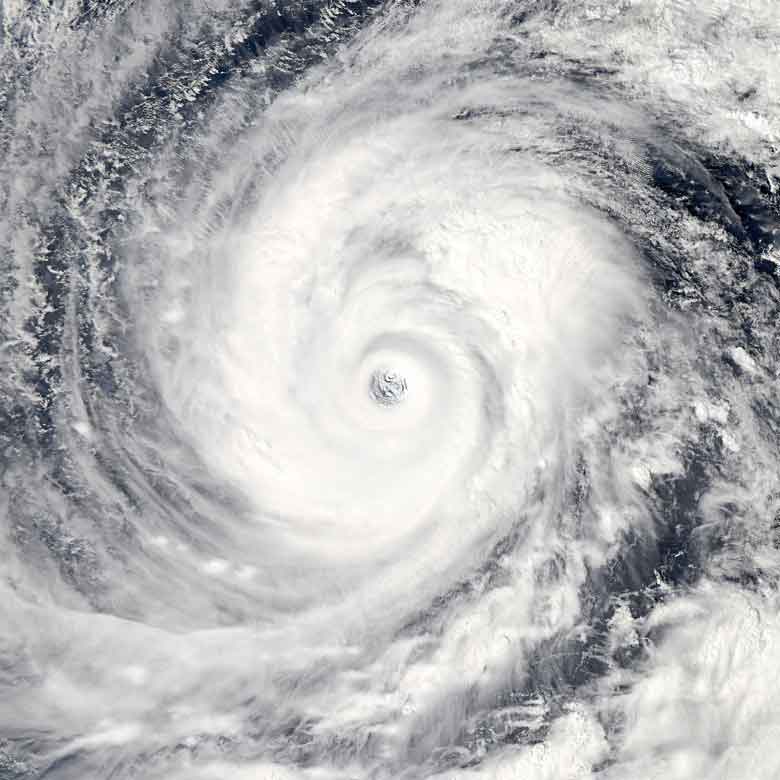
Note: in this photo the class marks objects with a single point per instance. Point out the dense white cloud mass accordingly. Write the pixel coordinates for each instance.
(390, 390)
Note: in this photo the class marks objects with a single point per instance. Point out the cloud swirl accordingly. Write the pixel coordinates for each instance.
(390, 390)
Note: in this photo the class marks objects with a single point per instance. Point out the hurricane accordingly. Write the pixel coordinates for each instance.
(389, 389)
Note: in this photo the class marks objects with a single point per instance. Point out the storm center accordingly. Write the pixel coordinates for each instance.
(387, 387)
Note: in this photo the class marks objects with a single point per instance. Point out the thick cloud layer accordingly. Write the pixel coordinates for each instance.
(389, 390)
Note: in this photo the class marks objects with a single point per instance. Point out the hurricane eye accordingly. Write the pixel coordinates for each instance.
(387, 388)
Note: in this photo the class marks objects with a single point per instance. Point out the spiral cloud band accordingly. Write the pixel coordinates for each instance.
(390, 390)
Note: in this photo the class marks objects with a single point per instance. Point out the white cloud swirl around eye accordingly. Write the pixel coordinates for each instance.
(397, 243)
(396, 383)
